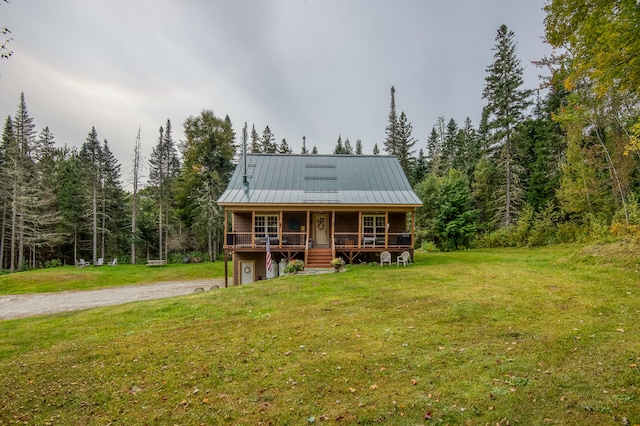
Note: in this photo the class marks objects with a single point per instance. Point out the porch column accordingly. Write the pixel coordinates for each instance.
(280, 229)
(359, 228)
(253, 229)
(386, 228)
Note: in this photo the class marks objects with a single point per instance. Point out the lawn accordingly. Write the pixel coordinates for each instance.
(514, 336)
(67, 278)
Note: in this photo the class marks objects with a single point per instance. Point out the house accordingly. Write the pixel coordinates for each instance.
(315, 208)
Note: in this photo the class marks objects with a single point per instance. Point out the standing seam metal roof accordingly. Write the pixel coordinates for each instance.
(320, 179)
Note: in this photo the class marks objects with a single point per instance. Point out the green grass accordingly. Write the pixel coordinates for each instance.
(511, 336)
(66, 278)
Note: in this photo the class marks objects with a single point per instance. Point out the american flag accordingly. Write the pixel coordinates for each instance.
(268, 245)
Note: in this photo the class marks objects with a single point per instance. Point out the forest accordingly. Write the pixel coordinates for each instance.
(555, 165)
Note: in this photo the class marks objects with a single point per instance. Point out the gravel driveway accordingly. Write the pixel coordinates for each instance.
(26, 305)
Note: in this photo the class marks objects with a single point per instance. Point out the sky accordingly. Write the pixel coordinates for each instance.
(314, 68)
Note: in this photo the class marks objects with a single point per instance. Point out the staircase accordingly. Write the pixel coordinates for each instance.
(319, 258)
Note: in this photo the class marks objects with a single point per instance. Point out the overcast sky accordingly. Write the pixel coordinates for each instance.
(318, 68)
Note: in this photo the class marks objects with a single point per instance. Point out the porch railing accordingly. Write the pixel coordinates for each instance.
(298, 240)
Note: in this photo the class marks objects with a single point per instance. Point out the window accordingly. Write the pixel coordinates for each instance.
(373, 224)
(266, 224)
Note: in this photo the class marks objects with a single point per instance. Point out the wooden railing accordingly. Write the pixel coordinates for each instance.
(298, 240)
(254, 240)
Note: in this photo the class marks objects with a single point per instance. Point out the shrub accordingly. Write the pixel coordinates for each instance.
(429, 246)
(337, 262)
(294, 266)
(53, 263)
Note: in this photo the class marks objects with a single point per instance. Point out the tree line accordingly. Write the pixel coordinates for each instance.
(559, 164)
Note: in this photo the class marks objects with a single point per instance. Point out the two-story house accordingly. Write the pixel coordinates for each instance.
(315, 208)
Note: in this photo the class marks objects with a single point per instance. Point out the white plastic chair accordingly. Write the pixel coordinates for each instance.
(114, 262)
(403, 258)
(385, 257)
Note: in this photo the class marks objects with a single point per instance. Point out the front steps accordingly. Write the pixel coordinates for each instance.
(319, 258)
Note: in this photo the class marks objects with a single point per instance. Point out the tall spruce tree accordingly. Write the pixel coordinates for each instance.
(256, 145)
(405, 144)
(391, 131)
(91, 159)
(506, 104)
(268, 141)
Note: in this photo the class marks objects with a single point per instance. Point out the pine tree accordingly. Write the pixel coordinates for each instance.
(314, 150)
(284, 147)
(91, 158)
(405, 144)
(255, 147)
(339, 148)
(506, 105)
(358, 147)
(164, 167)
(304, 149)
(23, 175)
(391, 131)
(268, 141)
(420, 169)
(376, 150)
(348, 149)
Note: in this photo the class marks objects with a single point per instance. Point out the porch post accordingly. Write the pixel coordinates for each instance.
(280, 229)
(359, 228)
(386, 228)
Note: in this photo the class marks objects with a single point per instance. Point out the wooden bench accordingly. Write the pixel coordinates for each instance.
(156, 262)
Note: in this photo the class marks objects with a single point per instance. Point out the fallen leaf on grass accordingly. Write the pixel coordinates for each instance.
(427, 415)
(621, 330)
(414, 382)
(374, 386)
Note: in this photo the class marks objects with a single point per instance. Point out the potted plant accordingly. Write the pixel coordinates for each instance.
(337, 263)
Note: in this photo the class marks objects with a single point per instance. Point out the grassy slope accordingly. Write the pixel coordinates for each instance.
(71, 278)
(519, 336)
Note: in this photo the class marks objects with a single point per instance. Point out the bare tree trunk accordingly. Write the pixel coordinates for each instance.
(134, 200)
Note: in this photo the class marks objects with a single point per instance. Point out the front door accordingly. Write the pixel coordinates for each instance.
(321, 230)
(246, 271)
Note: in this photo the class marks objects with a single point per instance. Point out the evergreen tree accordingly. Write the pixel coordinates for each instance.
(284, 147)
(304, 149)
(164, 167)
(358, 150)
(348, 149)
(256, 144)
(506, 104)
(314, 150)
(391, 131)
(376, 150)
(208, 153)
(339, 148)
(268, 141)
(420, 168)
(405, 143)
(91, 159)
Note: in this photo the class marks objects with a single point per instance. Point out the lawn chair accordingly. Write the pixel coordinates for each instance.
(403, 258)
(100, 262)
(385, 257)
(81, 263)
(114, 262)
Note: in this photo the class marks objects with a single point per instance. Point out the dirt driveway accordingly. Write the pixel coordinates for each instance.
(26, 305)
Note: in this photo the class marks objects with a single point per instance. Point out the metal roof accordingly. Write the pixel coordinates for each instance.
(319, 179)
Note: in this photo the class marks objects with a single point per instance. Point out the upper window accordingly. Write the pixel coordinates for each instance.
(373, 224)
(266, 224)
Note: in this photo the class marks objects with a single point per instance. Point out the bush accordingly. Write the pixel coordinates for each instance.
(294, 266)
(53, 263)
(429, 246)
